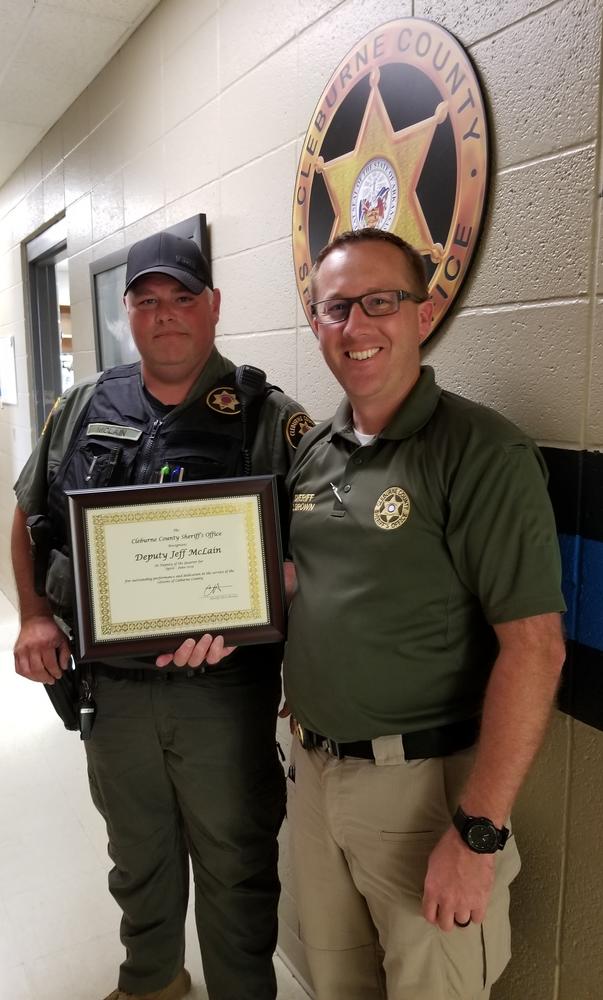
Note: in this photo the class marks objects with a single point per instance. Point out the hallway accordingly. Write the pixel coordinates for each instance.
(58, 924)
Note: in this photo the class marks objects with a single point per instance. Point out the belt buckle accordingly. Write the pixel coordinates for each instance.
(302, 736)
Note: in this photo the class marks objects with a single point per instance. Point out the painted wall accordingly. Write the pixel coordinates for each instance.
(204, 111)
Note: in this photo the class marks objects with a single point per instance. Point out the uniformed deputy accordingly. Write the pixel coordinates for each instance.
(426, 610)
(181, 762)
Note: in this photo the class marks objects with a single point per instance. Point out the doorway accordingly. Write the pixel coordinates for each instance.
(50, 318)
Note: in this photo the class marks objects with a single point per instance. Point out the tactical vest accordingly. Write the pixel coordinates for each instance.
(119, 440)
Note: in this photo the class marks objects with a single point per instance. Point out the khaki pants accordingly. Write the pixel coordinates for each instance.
(361, 837)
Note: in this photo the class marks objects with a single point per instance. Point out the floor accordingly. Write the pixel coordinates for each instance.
(58, 924)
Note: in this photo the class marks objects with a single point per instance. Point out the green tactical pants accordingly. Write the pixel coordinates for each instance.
(187, 766)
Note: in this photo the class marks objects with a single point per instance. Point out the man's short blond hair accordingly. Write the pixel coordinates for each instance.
(370, 235)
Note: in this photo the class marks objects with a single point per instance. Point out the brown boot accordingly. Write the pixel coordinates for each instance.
(175, 990)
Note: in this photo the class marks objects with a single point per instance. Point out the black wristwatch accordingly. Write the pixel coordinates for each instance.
(479, 833)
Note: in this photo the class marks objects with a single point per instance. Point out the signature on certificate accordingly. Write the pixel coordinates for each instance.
(214, 588)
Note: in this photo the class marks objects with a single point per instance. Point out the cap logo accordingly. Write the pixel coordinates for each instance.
(398, 141)
(186, 261)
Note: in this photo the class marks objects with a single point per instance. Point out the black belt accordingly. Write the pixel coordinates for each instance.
(141, 674)
(438, 742)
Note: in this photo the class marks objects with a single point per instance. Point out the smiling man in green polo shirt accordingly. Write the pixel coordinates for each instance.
(424, 649)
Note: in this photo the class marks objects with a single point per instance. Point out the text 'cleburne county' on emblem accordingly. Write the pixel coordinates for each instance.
(392, 508)
(398, 141)
(297, 425)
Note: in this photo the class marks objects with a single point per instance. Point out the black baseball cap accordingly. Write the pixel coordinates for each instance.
(168, 254)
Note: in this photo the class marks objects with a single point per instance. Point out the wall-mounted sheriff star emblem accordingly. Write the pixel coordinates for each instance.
(398, 141)
(390, 163)
(224, 400)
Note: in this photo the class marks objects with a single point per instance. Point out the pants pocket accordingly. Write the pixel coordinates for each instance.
(496, 944)
(496, 928)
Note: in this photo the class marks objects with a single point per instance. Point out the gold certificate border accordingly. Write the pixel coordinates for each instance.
(97, 519)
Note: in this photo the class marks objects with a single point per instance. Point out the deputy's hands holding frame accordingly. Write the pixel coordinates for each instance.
(209, 649)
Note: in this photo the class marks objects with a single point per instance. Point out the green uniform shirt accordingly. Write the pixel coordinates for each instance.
(407, 551)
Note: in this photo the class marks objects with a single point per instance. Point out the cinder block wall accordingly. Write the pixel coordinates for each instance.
(204, 110)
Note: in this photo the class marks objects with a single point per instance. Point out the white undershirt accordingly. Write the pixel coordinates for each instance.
(364, 439)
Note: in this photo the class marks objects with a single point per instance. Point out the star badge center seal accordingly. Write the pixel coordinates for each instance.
(392, 508)
(374, 195)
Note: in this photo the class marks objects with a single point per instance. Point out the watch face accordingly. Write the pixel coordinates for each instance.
(482, 837)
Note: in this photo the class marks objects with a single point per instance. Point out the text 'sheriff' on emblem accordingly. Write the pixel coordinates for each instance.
(298, 424)
(224, 400)
(399, 141)
(392, 508)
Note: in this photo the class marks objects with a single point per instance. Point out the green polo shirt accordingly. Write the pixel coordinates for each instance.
(407, 551)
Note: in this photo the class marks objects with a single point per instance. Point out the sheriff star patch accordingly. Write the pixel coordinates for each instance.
(297, 425)
(392, 508)
(224, 400)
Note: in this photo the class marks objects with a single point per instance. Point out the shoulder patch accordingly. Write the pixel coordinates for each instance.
(297, 425)
(224, 400)
(55, 406)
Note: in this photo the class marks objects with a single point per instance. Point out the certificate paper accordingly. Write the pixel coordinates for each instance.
(153, 565)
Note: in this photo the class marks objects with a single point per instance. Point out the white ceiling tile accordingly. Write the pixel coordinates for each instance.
(90, 38)
(13, 21)
(50, 51)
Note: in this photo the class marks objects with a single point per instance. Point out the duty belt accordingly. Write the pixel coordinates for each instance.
(441, 741)
(152, 674)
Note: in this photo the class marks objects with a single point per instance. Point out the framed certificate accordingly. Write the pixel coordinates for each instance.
(155, 564)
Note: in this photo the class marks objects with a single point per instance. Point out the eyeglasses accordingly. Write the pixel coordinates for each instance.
(372, 304)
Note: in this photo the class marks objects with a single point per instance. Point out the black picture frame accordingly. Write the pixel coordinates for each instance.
(112, 340)
(109, 625)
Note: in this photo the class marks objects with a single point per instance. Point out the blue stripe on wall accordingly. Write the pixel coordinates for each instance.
(576, 489)
(582, 560)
